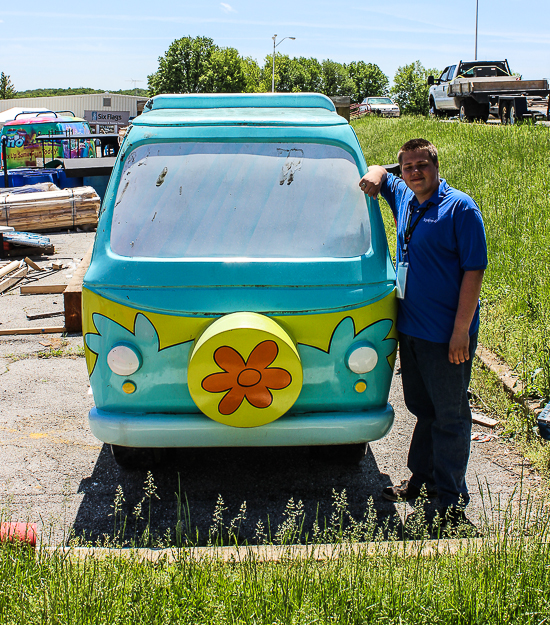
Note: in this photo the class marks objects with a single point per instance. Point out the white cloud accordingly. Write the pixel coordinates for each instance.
(227, 8)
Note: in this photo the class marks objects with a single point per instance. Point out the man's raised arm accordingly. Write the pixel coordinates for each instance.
(371, 182)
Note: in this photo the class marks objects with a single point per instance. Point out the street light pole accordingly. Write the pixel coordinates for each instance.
(477, 5)
(274, 46)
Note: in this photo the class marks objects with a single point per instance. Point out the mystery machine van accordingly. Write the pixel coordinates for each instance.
(240, 291)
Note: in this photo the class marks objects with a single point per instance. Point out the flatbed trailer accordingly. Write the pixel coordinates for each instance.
(507, 98)
(477, 89)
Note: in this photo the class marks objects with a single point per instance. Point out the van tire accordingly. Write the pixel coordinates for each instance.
(351, 455)
(132, 458)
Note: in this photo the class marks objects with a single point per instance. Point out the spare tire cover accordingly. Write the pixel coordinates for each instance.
(244, 370)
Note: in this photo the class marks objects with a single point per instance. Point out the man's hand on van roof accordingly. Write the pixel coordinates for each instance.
(371, 182)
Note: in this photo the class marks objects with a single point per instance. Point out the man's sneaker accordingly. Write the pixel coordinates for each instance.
(405, 492)
(455, 524)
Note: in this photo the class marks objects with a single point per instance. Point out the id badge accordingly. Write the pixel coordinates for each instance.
(401, 279)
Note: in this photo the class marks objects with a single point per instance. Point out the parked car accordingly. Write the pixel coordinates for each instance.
(380, 106)
(240, 291)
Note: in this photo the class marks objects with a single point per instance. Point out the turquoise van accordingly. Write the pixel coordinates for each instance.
(240, 291)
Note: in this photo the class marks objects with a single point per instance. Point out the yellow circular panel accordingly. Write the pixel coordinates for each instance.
(360, 386)
(244, 370)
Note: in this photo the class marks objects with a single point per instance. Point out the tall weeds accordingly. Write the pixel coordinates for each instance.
(502, 579)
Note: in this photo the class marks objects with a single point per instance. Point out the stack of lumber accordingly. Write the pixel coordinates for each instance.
(50, 210)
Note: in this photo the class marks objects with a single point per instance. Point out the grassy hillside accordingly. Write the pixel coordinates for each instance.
(506, 170)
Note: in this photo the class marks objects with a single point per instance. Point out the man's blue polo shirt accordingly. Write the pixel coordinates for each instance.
(447, 241)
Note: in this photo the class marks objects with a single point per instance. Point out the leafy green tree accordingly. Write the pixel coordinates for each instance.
(224, 73)
(283, 74)
(410, 88)
(197, 65)
(252, 74)
(336, 80)
(307, 74)
(182, 67)
(7, 90)
(301, 74)
(369, 80)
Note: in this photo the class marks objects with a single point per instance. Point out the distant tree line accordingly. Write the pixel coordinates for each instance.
(198, 65)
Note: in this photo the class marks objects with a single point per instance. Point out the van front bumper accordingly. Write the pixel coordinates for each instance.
(197, 430)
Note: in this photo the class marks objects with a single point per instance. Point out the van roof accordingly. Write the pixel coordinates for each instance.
(311, 109)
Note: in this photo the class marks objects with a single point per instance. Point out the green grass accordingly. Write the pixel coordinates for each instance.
(501, 580)
(506, 170)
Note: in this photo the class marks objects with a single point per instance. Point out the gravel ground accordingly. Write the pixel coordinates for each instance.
(55, 472)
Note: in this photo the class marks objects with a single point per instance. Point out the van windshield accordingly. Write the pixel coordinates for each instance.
(232, 200)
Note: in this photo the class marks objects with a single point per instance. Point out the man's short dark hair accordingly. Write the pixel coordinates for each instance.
(419, 144)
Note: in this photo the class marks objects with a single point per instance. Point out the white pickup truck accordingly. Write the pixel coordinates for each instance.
(476, 89)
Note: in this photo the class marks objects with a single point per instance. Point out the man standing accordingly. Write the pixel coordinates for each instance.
(441, 257)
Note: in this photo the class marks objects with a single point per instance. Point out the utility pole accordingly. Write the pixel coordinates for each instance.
(477, 7)
(274, 46)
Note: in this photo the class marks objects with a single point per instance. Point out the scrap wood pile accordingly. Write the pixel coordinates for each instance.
(49, 210)
(12, 273)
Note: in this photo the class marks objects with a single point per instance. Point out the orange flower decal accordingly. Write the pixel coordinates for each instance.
(251, 379)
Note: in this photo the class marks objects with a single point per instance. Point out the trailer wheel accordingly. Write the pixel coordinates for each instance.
(504, 119)
(463, 114)
(512, 115)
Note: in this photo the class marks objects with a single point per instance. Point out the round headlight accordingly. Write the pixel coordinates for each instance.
(124, 360)
(362, 359)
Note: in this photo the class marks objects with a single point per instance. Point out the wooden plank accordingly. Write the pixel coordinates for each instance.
(42, 289)
(482, 419)
(49, 330)
(55, 313)
(33, 265)
(72, 295)
(14, 278)
(9, 268)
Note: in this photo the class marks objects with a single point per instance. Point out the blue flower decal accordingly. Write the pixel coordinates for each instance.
(326, 374)
(161, 381)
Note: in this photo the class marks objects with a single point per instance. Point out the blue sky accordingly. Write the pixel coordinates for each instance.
(110, 45)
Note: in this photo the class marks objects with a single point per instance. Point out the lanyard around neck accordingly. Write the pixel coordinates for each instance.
(411, 228)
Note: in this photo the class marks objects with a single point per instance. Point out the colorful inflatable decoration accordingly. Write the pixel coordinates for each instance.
(23, 148)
